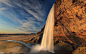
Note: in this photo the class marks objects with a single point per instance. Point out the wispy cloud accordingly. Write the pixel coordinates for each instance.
(23, 15)
(30, 26)
(10, 29)
(2, 9)
(34, 8)
(5, 2)
(34, 14)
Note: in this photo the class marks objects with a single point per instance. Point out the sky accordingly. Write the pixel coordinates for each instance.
(23, 16)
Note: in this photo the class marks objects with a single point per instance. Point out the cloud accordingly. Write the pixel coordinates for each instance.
(36, 15)
(2, 25)
(29, 26)
(6, 2)
(12, 17)
(34, 8)
(27, 16)
(2, 9)
(9, 29)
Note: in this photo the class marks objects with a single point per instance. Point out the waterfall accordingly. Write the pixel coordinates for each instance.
(47, 40)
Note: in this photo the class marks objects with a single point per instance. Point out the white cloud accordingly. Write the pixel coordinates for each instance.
(30, 27)
(36, 15)
(5, 2)
(11, 29)
(27, 24)
(4, 25)
(13, 18)
(2, 9)
(34, 9)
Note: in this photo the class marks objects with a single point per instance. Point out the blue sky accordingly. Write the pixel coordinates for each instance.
(23, 16)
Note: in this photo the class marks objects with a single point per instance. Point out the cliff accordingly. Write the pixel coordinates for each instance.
(70, 20)
(70, 17)
(69, 24)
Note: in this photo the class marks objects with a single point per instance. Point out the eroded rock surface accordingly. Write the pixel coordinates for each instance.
(70, 17)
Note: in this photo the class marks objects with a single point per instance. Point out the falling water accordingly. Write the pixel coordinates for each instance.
(47, 40)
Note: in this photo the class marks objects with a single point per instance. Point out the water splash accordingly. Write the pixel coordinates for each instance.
(47, 40)
(35, 49)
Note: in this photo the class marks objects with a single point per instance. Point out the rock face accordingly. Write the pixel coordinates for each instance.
(70, 24)
(70, 17)
(80, 50)
(70, 21)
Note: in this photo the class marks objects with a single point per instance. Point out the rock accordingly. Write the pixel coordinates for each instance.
(10, 53)
(80, 50)
(69, 24)
(65, 46)
(70, 21)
